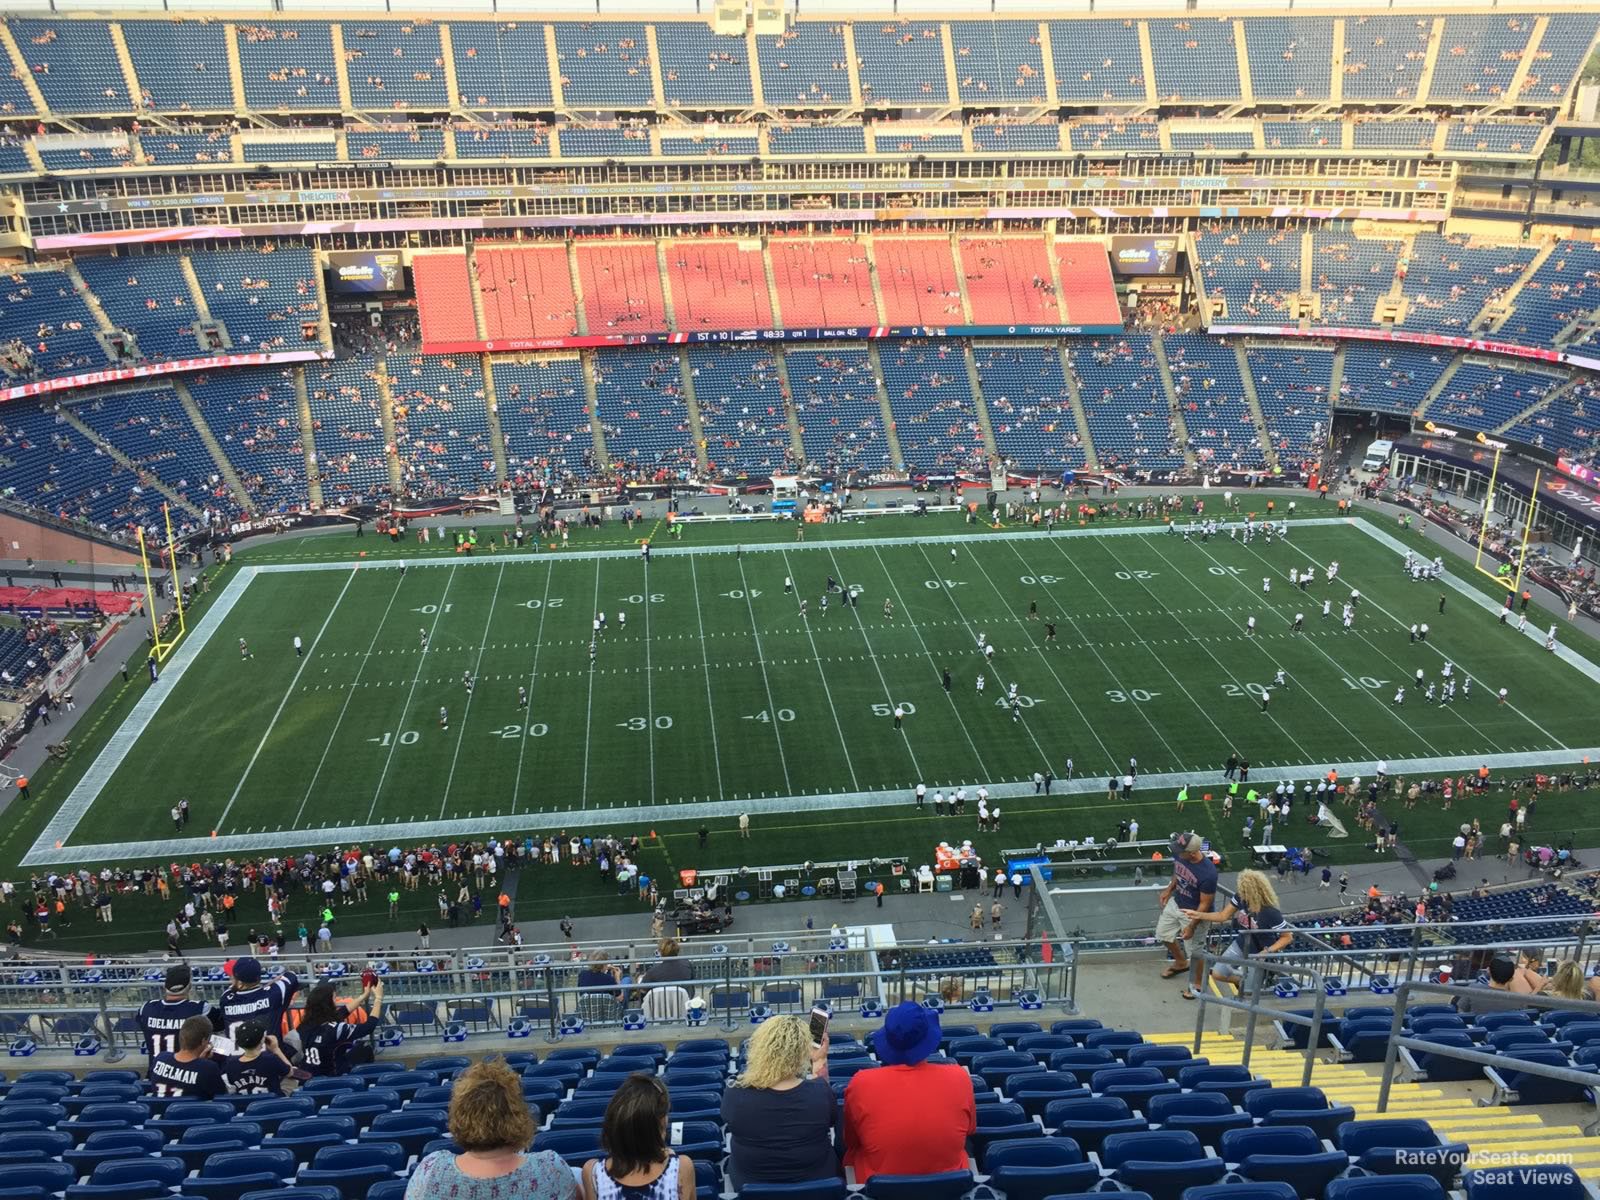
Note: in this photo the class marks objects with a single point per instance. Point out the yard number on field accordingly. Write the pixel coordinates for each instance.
(887, 710)
(409, 738)
(1030, 580)
(1137, 695)
(640, 724)
(933, 585)
(740, 593)
(784, 714)
(636, 598)
(1239, 692)
(1127, 575)
(553, 602)
(430, 609)
(1365, 681)
(1022, 702)
(516, 731)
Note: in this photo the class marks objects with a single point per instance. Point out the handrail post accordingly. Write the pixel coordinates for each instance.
(1200, 1007)
(1412, 952)
(550, 992)
(1250, 1019)
(904, 961)
(1392, 1052)
(727, 975)
(1314, 1037)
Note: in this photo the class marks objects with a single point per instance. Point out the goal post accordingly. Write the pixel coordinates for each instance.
(161, 646)
(1506, 574)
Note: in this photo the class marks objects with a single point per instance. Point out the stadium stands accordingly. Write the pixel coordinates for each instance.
(1485, 395)
(51, 323)
(901, 63)
(1292, 384)
(935, 414)
(804, 67)
(1030, 408)
(501, 64)
(526, 291)
(148, 296)
(1004, 138)
(1388, 378)
(302, 149)
(1205, 379)
(1561, 290)
(395, 65)
(253, 413)
(1291, 58)
(544, 419)
(1566, 43)
(1393, 134)
(1130, 419)
(836, 398)
(621, 284)
(441, 425)
(1302, 135)
(182, 65)
(419, 144)
(75, 65)
(998, 62)
(1087, 289)
(180, 149)
(264, 297)
(56, 469)
(444, 297)
(1097, 61)
(1350, 273)
(1448, 280)
(822, 282)
(288, 65)
(809, 140)
(1384, 55)
(150, 427)
(702, 69)
(917, 277)
(642, 412)
(743, 420)
(519, 142)
(1110, 134)
(347, 429)
(604, 66)
(718, 285)
(628, 142)
(1195, 59)
(1568, 425)
(1007, 280)
(1257, 271)
(1478, 55)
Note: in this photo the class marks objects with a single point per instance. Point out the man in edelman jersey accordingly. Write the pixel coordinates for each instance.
(161, 1020)
(189, 1070)
(249, 1000)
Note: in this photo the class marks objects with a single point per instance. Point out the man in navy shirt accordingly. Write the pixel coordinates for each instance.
(248, 1000)
(160, 1020)
(189, 1070)
(1193, 886)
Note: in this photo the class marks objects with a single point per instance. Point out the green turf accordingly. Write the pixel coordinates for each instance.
(718, 689)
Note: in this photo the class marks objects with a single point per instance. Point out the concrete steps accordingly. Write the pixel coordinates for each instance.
(697, 429)
(308, 438)
(491, 403)
(1091, 460)
(1253, 402)
(790, 413)
(895, 456)
(1180, 427)
(224, 467)
(990, 449)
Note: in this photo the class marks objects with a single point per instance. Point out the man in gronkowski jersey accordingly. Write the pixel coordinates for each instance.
(249, 1000)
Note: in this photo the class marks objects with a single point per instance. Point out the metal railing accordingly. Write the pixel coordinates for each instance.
(1585, 1079)
(1255, 971)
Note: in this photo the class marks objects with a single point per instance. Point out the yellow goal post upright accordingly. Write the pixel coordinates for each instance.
(162, 647)
(1508, 575)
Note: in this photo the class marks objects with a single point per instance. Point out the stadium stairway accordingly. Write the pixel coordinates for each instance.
(1493, 316)
(386, 417)
(491, 405)
(1180, 428)
(302, 397)
(591, 402)
(697, 428)
(990, 449)
(1440, 385)
(209, 440)
(1544, 402)
(197, 296)
(147, 478)
(895, 455)
(780, 363)
(1091, 460)
(1449, 1108)
(1253, 401)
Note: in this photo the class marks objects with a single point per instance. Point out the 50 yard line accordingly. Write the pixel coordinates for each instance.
(466, 709)
(272, 724)
(422, 661)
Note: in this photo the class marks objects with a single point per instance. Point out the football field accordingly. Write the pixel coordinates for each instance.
(711, 692)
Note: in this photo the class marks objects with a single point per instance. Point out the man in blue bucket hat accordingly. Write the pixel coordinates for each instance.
(909, 1116)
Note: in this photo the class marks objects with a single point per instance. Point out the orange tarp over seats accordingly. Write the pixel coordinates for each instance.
(1088, 292)
(621, 287)
(822, 282)
(444, 298)
(526, 291)
(14, 599)
(718, 285)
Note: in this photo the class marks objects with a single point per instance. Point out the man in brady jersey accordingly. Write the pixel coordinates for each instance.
(249, 1000)
(161, 1020)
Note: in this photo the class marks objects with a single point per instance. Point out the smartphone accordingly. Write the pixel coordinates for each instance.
(819, 1025)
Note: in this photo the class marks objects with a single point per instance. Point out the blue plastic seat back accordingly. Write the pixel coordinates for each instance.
(1239, 1144)
(1152, 1146)
(46, 1176)
(948, 1185)
(1307, 1174)
(226, 1163)
(1031, 1152)
(1169, 1180)
(1082, 1061)
(1046, 1183)
(44, 1143)
(826, 1189)
(1269, 1100)
(1242, 1191)
(366, 1154)
(146, 1190)
(1384, 1187)
(1164, 1108)
(167, 1171)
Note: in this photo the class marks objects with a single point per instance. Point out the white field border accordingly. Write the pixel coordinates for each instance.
(52, 848)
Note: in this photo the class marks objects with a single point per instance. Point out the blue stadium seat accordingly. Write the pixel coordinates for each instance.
(304, 1136)
(1136, 1085)
(1290, 1154)
(948, 1185)
(45, 1177)
(353, 1169)
(1012, 1032)
(409, 1129)
(1401, 1147)
(196, 1145)
(575, 1146)
(1235, 1190)
(1162, 1164)
(33, 1145)
(1384, 1187)
(1091, 1122)
(109, 1145)
(298, 1192)
(184, 1114)
(168, 1172)
(1081, 1061)
(145, 1190)
(998, 1123)
(1207, 1115)
(272, 1111)
(824, 1189)
(996, 1067)
(361, 1107)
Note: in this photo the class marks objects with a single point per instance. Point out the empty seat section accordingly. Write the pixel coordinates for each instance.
(544, 418)
(1350, 273)
(1130, 421)
(58, 469)
(807, 140)
(836, 399)
(288, 65)
(264, 296)
(1030, 409)
(1212, 139)
(1114, 134)
(1485, 395)
(1389, 379)
(642, 411)
(1384, 56)
(1569, 425)
(742, 415)
(75, 65)
(1562, 51)
(1195, 58)
(1478, 55)
(1016, 139)
(804, 67)
(1292, 387)
(13, 158)
(621, 287)
(395, 65)
(49, 329)
(743, 144)
(441, 424)
(526, 291)
(1392, 134)
(901, 63)
(718, 285)
(1008, 281)
(1448, 280)
(417, 144)
(1097, 60)
(1291, 58)
(822, 282)
(256, 148)
(501, 64)
(444, 298)
(1302, 135)
(254, 414)
(625, 142)
(1257, 271)
(178, 149)
(935, 415)
(1563, 289)
(526, 141)
(917, 277)
(148, 296)
(1509, 138)
(702, 69)
(1088, 293)
(101, 154)
(182, 65)
(153, 431)
(998, 62)
(605, 65)
(346, 428)
(1205, 379)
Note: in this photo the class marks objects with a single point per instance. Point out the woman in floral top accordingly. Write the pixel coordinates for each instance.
(491, 1123)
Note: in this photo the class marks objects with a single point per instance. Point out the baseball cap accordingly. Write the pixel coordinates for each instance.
(247, 970)
(178, 978)
(1190, 843)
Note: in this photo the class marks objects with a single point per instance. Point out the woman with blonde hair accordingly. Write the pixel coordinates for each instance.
(1567, 982)
(491, 1123)
(1259, 925)
(780, 1118)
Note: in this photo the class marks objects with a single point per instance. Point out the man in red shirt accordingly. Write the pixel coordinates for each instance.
(909, 1116)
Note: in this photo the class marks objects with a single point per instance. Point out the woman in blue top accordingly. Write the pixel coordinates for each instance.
(1259, 926)
(327, 1041)
(781, 1111)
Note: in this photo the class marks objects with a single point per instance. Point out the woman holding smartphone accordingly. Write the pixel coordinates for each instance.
(781, 1110)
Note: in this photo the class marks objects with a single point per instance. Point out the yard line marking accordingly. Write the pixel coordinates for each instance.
(1201, 642)
(588, 716)
(888, 695)
(827, 692)
(466, 709)
(1304, 690)
(422, 660)
(272, 724)
(928, 654)
(350, 693)
(533, 679)
(772, 705)
(649, 683)
(716, 755)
